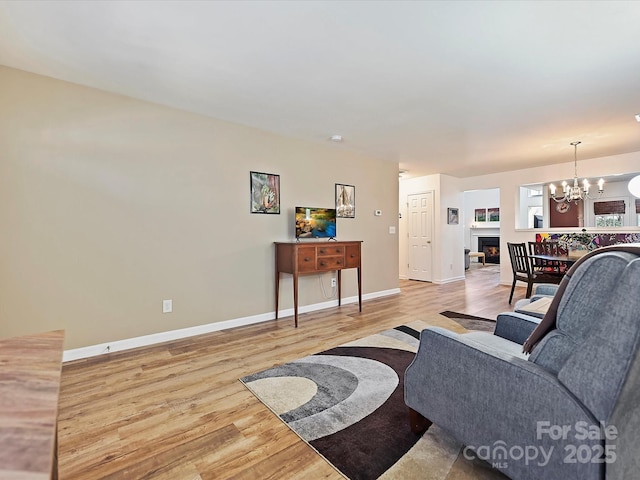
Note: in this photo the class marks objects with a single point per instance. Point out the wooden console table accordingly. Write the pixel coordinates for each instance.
(299, 258)
(30, 370)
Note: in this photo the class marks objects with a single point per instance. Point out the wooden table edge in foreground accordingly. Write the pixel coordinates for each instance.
(30, 373)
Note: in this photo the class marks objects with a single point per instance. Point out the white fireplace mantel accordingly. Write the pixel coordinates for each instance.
(482, 232)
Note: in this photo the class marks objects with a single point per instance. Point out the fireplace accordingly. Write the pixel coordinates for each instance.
(491, 248)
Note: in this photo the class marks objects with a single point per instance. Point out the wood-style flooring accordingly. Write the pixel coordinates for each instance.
(178, 411)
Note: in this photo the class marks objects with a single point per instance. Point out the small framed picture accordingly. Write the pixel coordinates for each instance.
(345, 201)
(452, 216)
(481, 214)
(265, 192)
(494, 214)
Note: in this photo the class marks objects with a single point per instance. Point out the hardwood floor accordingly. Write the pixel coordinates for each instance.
(178, 411)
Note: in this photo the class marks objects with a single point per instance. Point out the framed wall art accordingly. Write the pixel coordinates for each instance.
(345, 201)
(481, 214)
(494, 214)
(265, 192)
(452, 216)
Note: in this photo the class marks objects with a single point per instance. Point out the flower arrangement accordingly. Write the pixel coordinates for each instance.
(584, 242)
(578, 244)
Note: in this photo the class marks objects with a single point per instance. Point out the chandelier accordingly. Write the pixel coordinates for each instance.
(575, 193)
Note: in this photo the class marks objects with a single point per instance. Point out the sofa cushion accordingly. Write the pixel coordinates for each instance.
(596, 371)
(596, 331)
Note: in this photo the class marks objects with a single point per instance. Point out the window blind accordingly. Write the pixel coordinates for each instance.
(610, 207)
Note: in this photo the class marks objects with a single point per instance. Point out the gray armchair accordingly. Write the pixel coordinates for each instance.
(571, 410)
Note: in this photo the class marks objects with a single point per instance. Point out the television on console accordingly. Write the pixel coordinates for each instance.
(313, 222)
(537, 221)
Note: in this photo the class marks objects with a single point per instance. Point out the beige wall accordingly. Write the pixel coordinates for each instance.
(108, 205)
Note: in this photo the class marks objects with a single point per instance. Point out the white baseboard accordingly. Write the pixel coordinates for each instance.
(448, 280)
(146, 340)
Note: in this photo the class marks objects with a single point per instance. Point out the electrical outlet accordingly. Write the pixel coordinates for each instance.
(333, 282)
(167, 306)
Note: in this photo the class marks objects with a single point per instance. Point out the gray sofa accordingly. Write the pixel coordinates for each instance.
(570, 410)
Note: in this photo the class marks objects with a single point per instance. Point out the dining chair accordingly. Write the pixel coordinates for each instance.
(546, 266)
(522, 269)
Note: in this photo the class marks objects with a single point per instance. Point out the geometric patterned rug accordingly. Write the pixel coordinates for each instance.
(471, 322)
(348, 404)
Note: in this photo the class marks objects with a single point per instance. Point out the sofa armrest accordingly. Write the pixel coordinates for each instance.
(545, 289)
(515, 326)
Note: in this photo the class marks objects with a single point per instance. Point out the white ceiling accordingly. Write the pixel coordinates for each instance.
(457, 87)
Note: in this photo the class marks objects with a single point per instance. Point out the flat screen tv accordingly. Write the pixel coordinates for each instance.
(313, 222)
(537, 221)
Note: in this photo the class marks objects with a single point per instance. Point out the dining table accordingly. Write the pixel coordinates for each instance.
(566, 259)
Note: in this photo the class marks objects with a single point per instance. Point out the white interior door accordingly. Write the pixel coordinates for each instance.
(420, 234)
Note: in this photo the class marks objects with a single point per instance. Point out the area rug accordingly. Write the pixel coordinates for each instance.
(471, 322)
(348, 404)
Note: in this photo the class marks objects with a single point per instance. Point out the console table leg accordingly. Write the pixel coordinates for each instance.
(295, 298)
(339, 287)
(359, 290)
(277, 291)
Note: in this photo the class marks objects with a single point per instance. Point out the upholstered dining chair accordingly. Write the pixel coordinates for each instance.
(523, 270)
